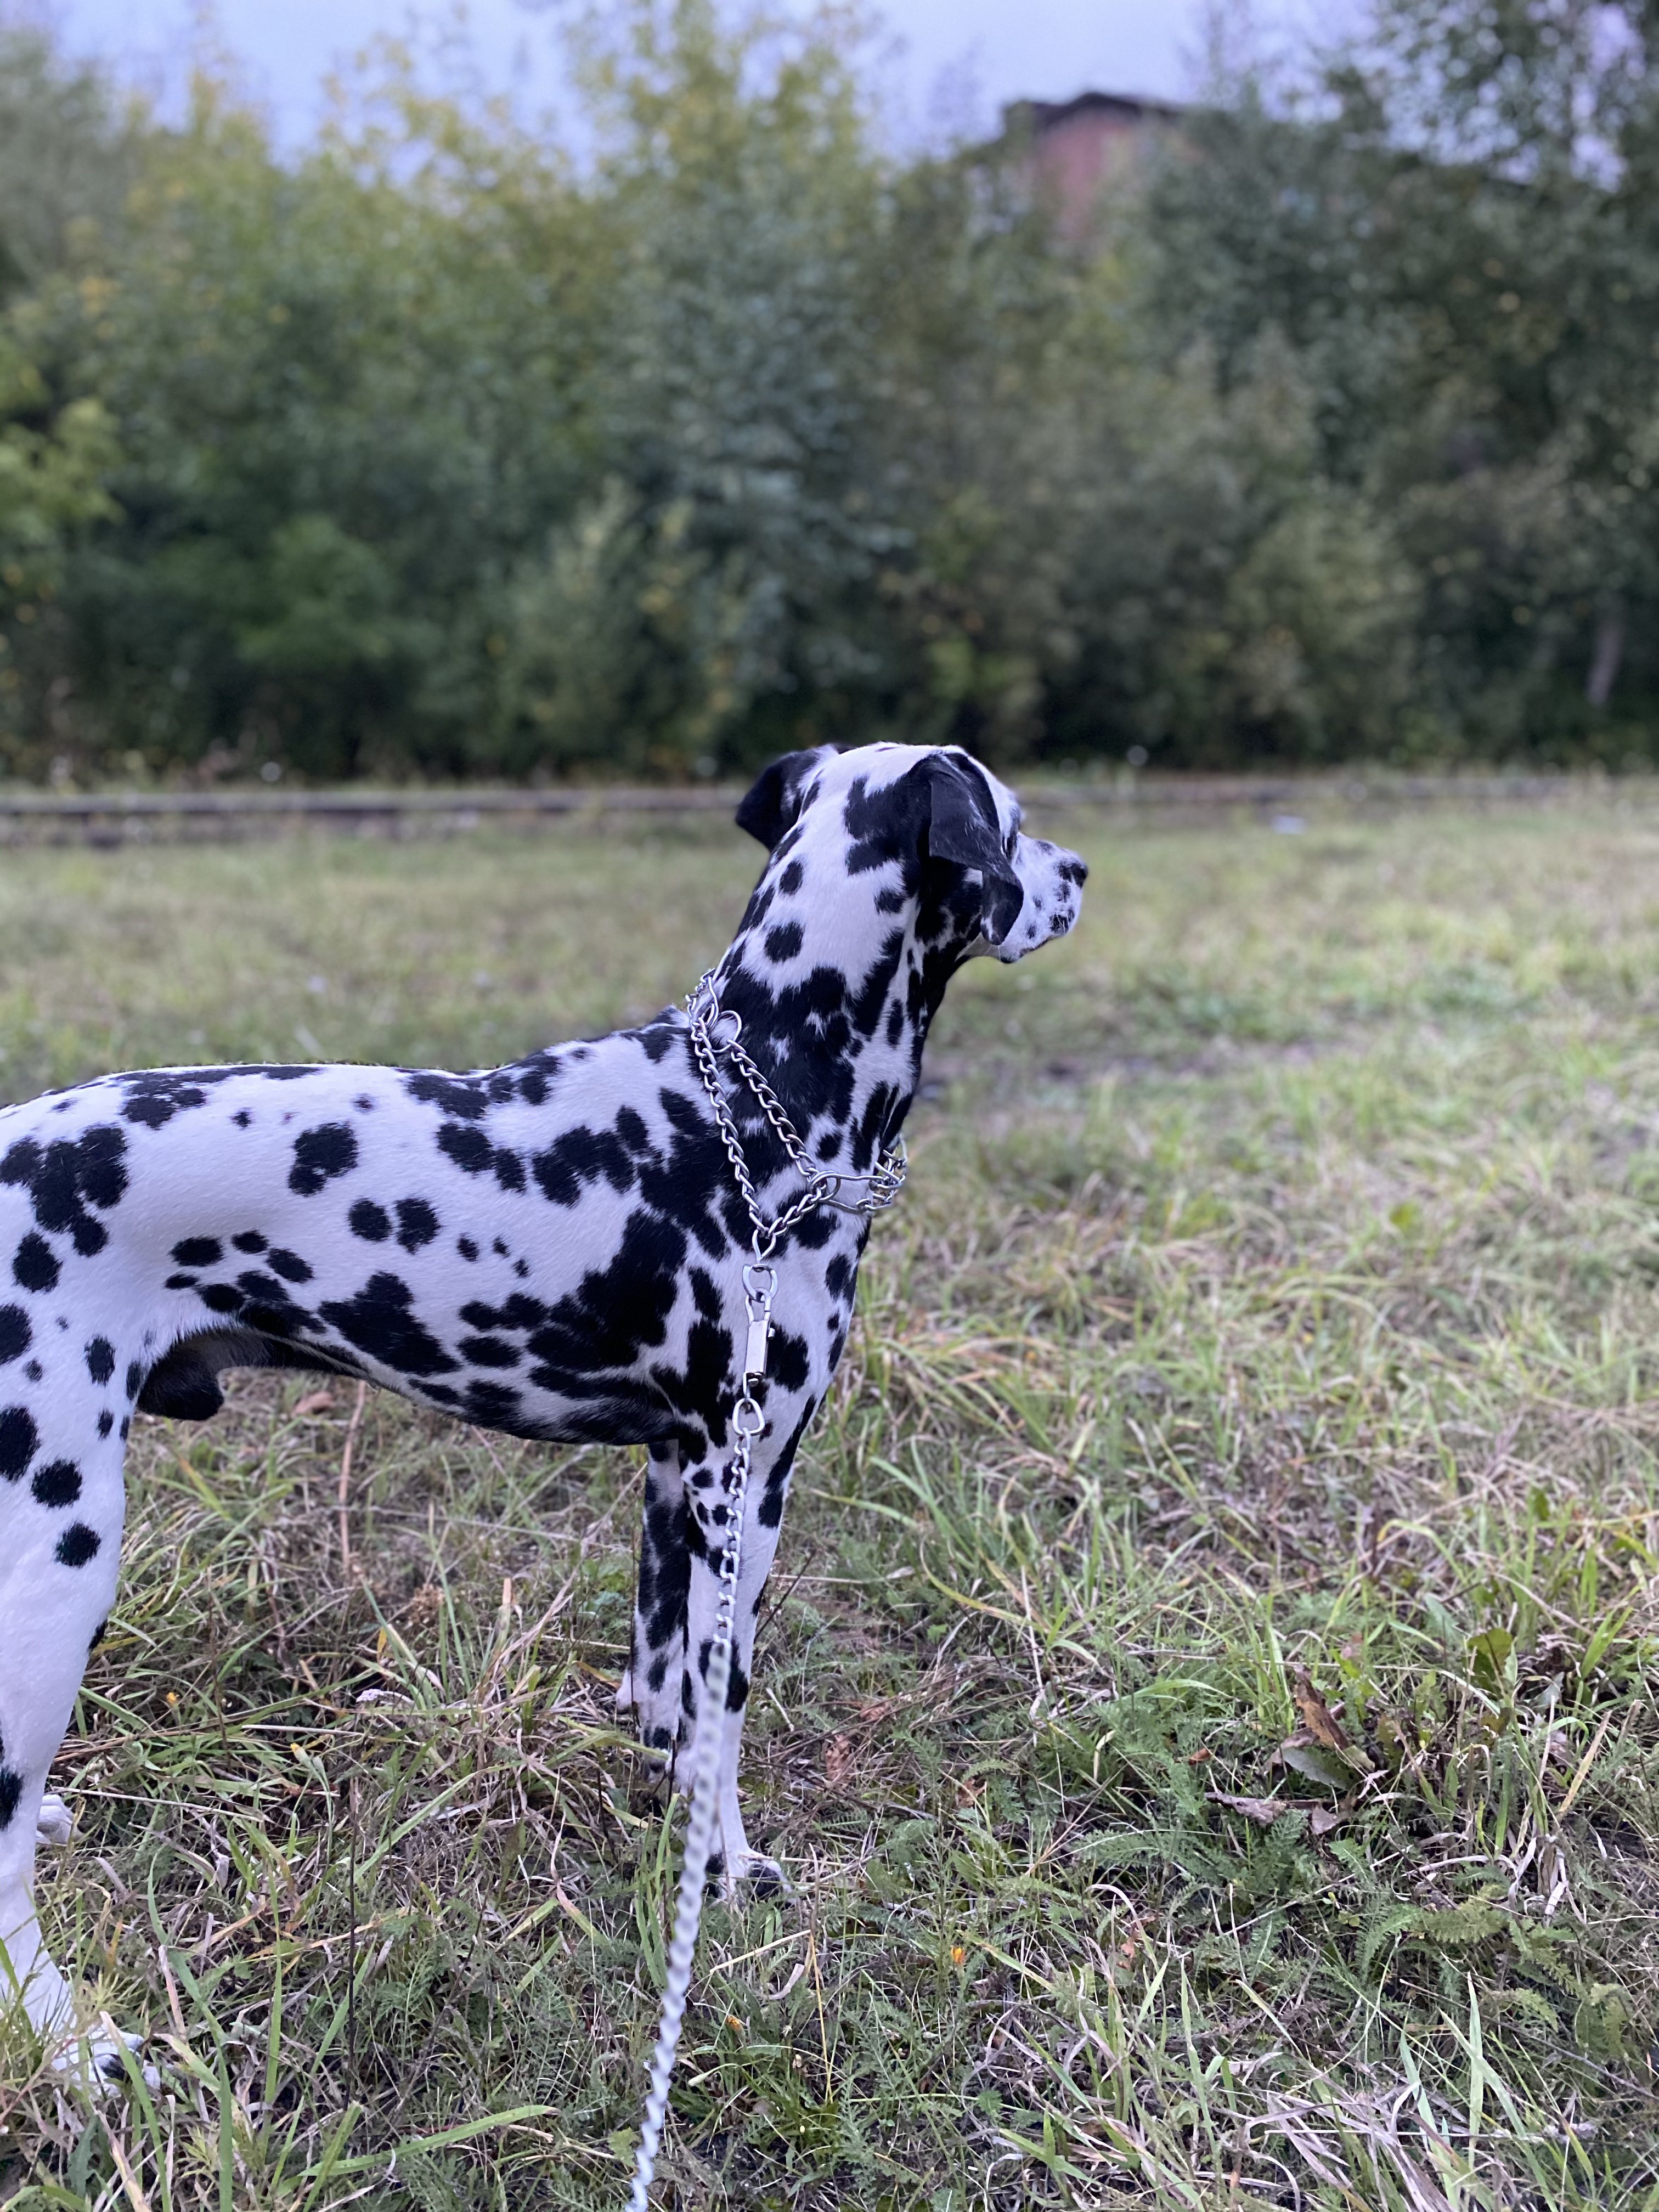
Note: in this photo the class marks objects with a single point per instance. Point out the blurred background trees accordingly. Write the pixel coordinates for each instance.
(436, 451)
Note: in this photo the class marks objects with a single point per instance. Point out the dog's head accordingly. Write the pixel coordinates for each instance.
(940, 827)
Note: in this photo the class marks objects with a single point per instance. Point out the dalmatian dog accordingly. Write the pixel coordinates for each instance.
(554, 1248)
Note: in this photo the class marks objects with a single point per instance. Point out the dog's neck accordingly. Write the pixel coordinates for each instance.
(837, 976)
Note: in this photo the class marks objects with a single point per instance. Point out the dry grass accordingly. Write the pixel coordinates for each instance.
(1205, 1702)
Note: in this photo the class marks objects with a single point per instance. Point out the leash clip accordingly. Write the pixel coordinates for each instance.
(760, 1283)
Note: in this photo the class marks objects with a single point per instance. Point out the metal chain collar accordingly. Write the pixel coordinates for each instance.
(717, 1032)
(706, 1018)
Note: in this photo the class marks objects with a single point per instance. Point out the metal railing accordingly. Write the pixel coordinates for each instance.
(120, 817)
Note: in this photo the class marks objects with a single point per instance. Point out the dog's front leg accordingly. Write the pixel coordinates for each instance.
(733, 1861)
(651, 1687)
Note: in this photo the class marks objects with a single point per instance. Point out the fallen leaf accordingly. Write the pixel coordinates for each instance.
(1324, 1818)
(1329, 1768)
(837, 1760)
(314, 1401)
(1321, 1722)
(1264, 1811)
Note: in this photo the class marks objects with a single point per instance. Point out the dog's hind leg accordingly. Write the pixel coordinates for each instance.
(61, 1506)
(651, 1687)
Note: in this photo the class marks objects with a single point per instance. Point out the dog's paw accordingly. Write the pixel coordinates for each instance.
(54, 1823)
(751, 1876)
(98, 2063)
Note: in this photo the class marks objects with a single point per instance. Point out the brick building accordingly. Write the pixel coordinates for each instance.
(1074, 148)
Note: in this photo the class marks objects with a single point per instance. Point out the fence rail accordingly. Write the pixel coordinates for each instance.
(119, 817)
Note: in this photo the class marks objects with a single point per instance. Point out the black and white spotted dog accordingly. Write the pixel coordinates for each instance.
(554, 1249)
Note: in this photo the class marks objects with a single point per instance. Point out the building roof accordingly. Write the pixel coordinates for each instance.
(1040, 116)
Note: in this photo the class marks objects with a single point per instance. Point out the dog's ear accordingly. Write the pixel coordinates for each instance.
(773, 801)
(963, 827)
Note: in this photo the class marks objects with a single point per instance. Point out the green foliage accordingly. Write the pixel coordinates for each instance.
(67, 159)
(436, 452)
(1454, 230)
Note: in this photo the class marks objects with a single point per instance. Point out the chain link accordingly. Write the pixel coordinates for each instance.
(704, 1016)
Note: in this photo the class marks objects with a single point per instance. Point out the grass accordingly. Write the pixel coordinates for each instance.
(1204, 1701)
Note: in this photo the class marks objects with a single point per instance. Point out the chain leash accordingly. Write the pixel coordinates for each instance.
(707, 1020)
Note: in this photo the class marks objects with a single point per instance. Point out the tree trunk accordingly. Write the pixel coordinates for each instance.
(1608, 652)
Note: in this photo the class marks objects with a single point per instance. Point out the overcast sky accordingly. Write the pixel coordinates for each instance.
(959, 60)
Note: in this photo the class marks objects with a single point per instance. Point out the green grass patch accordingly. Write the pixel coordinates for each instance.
(1205, 1700)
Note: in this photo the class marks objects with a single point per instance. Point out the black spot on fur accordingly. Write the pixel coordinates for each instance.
(154, 1107)
(198, 1252)
(630, 1127)
(100, 1359)
(380, 1321)
(519, 1313)
(470, 1149)
(70, 1177)
(417, 1223)
(180, 1283)
(321, 1154)
(492, 1405)
(77, 1545)
(466, 1096)
(58, 1484)
(135, 1377)
(783, 944)
(488, 1351)
(370, 1222)
(466, 1247)
(15, 1334)
(615, 1313)
(11, 1788)
(579, 1157)
(106, 1422)
(19, 1438)
(289, 1265)
(790, 881)
(34, 1265)
(250, 1241)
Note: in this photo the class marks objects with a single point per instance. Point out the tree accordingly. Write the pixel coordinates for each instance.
(1455, 228)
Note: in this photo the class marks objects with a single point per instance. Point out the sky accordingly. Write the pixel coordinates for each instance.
(951, 63)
